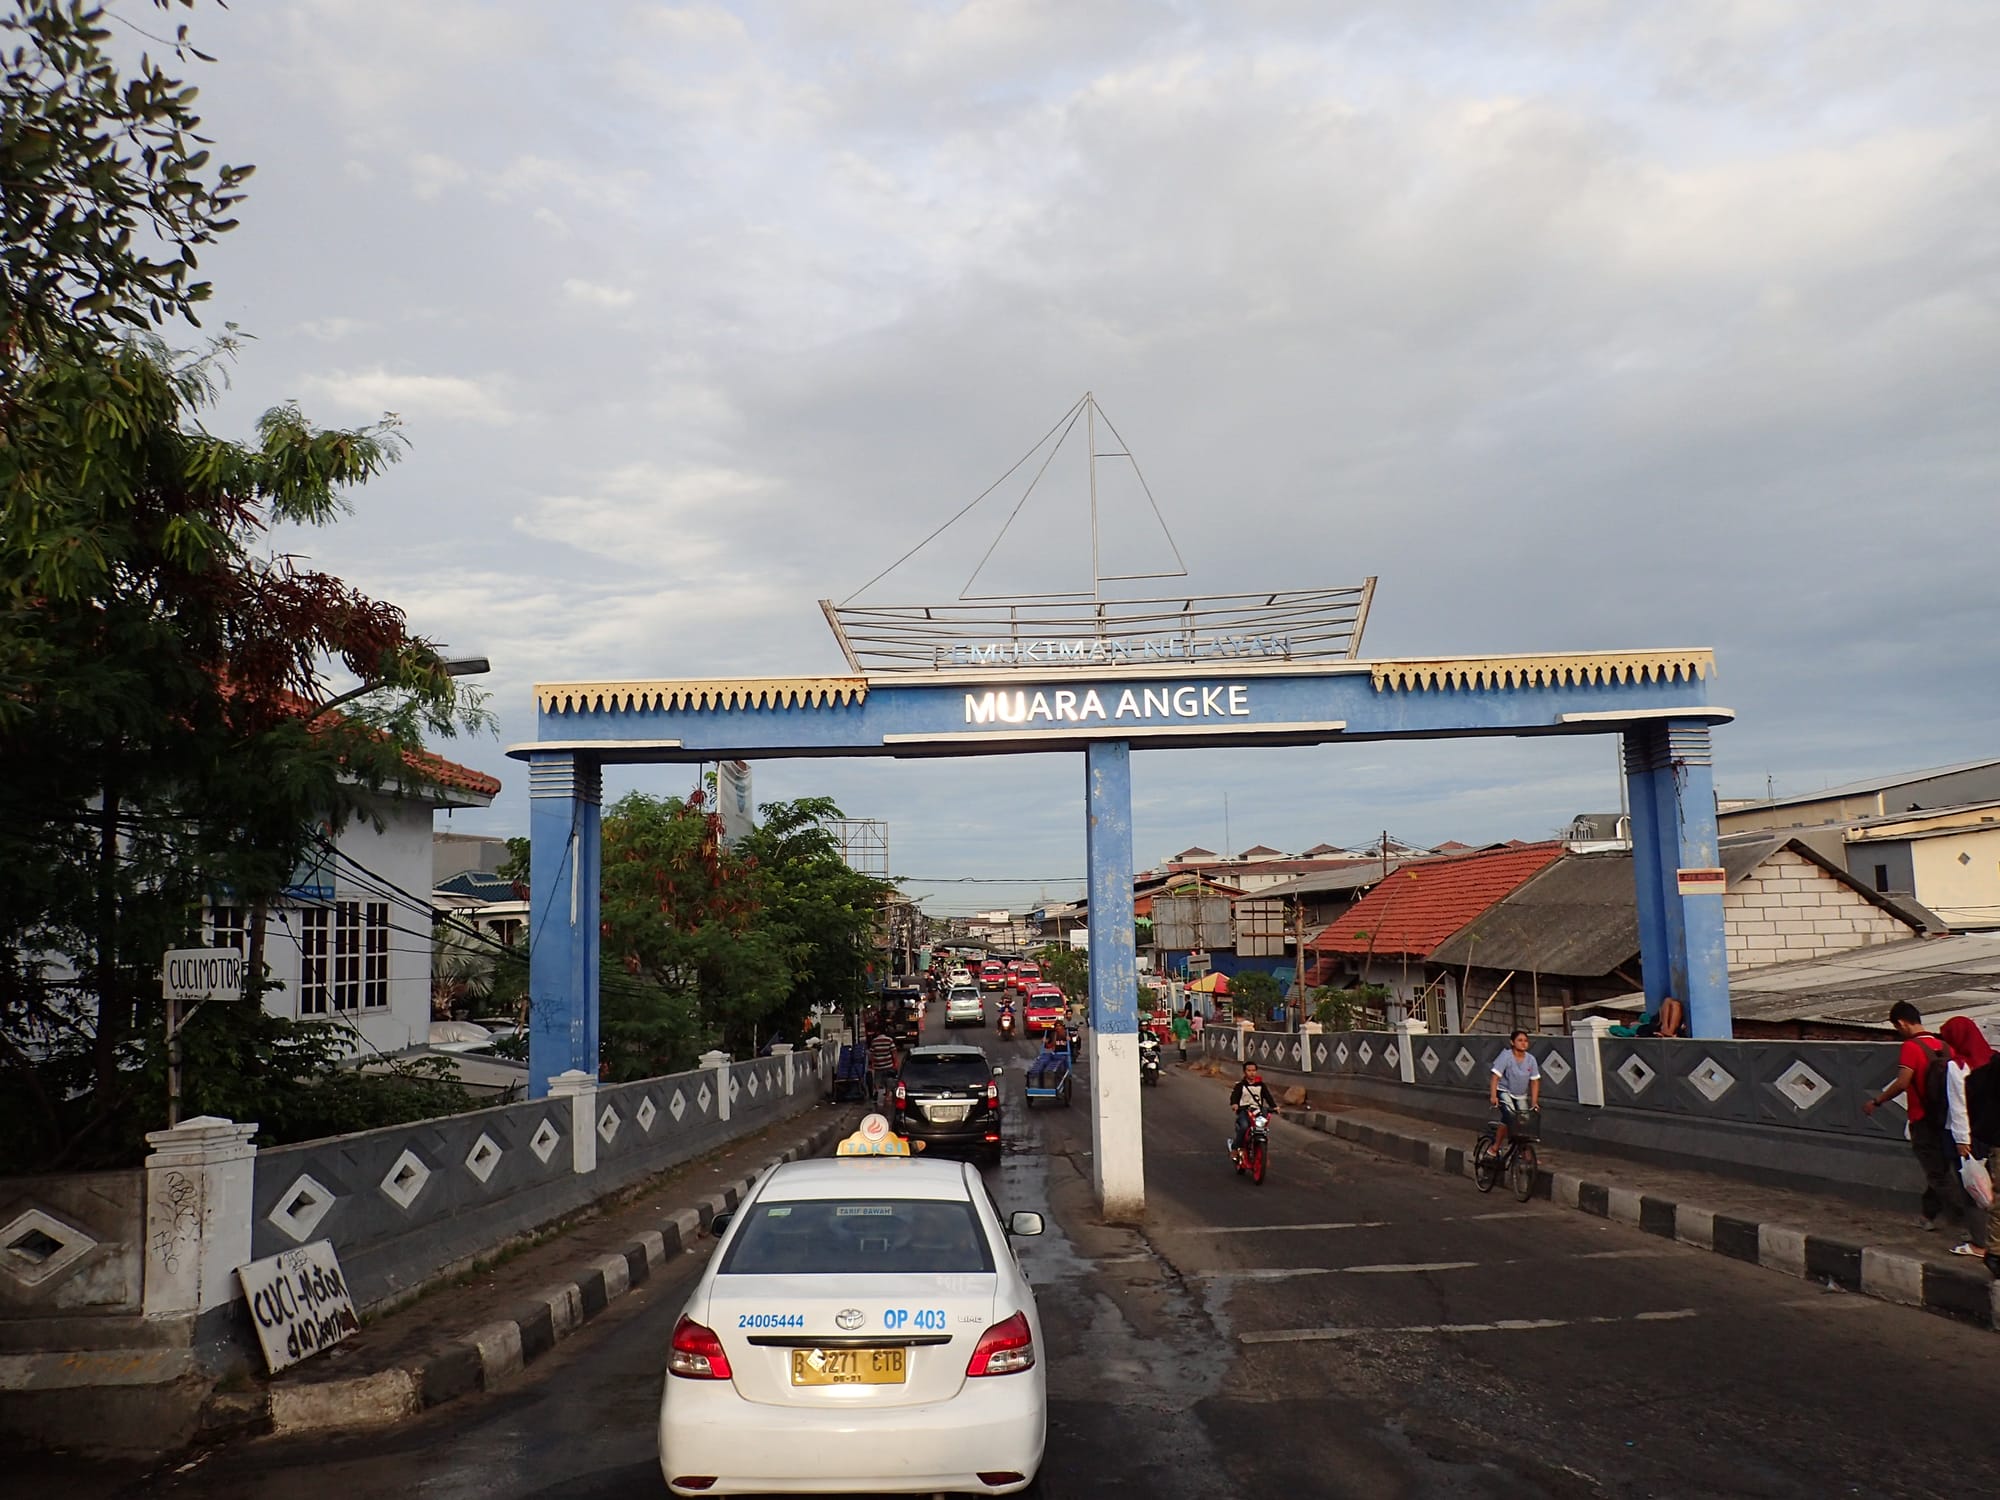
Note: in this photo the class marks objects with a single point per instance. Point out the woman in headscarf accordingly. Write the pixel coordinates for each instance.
(1972, 1120)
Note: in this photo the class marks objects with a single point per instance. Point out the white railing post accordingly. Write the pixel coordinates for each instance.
(581, 1090)
(1407, 1029)
(1588, 1032)
(199, 1177)
(718, 1063)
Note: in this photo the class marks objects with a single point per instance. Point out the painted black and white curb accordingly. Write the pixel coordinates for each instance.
(1971, 1295)
(488, 1356)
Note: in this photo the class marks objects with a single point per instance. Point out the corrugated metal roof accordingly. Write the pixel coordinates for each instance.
(1576, 917)
(1354, 877)
(1870, 784)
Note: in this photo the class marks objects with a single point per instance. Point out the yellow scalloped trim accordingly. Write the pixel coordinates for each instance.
(749, 692)
(1598, 669)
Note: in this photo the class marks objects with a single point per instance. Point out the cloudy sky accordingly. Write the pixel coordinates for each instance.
(1582, 324)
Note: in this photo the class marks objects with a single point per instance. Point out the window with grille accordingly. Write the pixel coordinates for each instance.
(346, 985)
(314, 924)
(375, 956)
(229, 928)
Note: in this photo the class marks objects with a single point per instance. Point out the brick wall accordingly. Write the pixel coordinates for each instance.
(1790, 909)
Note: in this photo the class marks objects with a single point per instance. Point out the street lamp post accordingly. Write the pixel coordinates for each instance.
(454, 666)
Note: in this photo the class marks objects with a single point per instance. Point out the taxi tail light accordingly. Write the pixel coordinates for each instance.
(1007, 1348)
(994, 1477)
(902, 1095)
(696, 1354)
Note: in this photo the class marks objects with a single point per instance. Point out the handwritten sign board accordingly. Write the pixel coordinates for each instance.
(299, 1302)
(202, 974)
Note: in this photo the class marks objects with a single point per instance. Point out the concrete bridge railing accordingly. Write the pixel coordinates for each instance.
(127, 1279)
(1787, 1113)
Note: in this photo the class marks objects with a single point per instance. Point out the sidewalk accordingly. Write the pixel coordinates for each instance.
(1824, 1239)
(473, 1333)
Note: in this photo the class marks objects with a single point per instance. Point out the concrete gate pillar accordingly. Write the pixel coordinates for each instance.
(1118, 1155)
(564, 796)
(1682, 946)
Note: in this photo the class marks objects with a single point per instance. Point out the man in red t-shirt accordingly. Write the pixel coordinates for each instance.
(1922, 1050)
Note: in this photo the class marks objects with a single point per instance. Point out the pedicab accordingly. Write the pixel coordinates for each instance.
(1051, 1074)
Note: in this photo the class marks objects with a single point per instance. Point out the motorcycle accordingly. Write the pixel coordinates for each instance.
(1006, 1024)
(1250, 1158)
(1149, 1058)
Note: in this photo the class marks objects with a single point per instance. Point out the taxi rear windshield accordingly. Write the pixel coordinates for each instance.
(860, 1237)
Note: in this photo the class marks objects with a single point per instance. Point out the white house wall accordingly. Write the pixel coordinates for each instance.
(399, 853)
(1788, 909)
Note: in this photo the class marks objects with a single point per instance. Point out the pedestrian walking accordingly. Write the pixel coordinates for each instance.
(1183, 1029)
(1195, 1020)
(1924, 1093)
(881, 1059)
(1973, 1122)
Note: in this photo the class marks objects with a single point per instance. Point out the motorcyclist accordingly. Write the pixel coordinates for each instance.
(1250, 1092)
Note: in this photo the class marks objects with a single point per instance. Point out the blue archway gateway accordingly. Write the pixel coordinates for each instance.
(1082, 694)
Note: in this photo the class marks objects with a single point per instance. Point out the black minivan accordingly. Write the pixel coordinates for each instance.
(948, 1097)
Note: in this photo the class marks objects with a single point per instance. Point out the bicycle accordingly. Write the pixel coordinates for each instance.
(1516, 1164)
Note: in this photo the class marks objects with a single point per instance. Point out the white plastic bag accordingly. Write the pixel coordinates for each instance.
(1978, 1181)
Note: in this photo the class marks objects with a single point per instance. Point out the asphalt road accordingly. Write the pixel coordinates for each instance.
(1352, 1327)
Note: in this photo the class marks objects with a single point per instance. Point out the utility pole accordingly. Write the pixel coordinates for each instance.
(1385, 854)
(1297, 1009)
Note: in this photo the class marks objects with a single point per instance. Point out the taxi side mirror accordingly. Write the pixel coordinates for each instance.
(1024, 1223)
(721, 1222)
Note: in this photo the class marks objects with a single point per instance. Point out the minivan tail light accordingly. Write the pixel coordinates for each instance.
(992, 1095)
(902, 1095)
(1007, 1348)
(696, 1353)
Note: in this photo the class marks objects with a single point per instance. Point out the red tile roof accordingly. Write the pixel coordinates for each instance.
(1420, 905)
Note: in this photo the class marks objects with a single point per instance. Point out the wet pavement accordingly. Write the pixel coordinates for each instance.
(1352, 1327)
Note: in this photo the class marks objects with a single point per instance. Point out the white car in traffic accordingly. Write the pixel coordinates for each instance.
(964, 1007)
(862, 1327)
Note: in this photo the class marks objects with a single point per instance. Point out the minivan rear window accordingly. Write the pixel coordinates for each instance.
(965, 1070)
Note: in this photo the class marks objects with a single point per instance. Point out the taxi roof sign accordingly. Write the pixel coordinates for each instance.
(874, 1138)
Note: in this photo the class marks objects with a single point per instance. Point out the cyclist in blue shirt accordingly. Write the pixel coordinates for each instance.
(1515, 1087)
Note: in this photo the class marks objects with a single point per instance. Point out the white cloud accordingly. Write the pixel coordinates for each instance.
(430, 174)
(595, 294)
(330, 330)
(643, 515)
(437, 397)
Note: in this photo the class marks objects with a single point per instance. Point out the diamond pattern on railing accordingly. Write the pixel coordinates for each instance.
(1556, 1068)
(1711, 1080)
(1319, 1053)
(544, 1140)
(36, 1246)
(1390, 1055)
(704, 1098)
(753, 1085)
(1366, 1052)
(1296, 1051)
(677, 1106)
(607, 1124)
(483, 1157)
(301, 1208)
(1803, 1086)
(1636, 1073)
(645, 1114)
(1340, 1054)
(1430, 1059)
(735, 1088)
(405, 1179)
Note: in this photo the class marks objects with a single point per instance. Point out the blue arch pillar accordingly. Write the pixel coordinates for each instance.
(565, 797)
(1682, 947)
(1118, 1163)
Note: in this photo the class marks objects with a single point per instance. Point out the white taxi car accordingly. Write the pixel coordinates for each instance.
(862, 1327)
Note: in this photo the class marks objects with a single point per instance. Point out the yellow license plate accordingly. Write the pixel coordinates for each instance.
(848, 1366)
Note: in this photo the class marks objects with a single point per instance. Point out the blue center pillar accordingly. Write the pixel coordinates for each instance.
(1118, 1159)
(1683, 949)
(565, 793)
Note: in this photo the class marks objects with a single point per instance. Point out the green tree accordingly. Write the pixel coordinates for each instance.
(1255, 992)
(160, 742)
(1068, 967)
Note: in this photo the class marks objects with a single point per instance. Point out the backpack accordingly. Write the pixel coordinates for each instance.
(1931, 1087)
